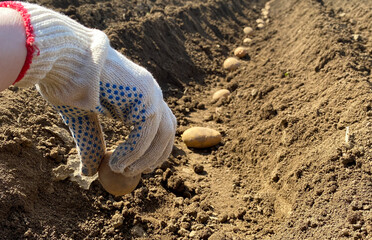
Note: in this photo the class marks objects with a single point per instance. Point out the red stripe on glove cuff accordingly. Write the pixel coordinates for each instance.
(30, 37)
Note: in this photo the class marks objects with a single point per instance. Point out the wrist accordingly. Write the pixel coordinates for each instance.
(13, 50)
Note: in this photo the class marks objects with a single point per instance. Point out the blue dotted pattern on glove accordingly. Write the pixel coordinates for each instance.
(120, 102)
(86, 131)
(124, 103)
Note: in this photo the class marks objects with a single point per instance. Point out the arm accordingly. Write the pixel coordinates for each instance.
(72, 66)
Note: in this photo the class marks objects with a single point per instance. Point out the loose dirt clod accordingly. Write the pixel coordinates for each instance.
(117, 220)
(241, 52)
(62, 172)
(231, 64)
(223, 93)
(201, 137)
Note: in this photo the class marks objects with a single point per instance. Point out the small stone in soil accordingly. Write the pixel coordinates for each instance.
(198, 168)
(138, 231)
(223, 218)
(202, 217)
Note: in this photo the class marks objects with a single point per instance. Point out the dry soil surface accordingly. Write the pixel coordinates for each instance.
(283, 169)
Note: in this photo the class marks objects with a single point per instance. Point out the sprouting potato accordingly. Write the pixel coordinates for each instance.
(201, 137)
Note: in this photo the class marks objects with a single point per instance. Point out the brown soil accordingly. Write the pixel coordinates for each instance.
(283, 170)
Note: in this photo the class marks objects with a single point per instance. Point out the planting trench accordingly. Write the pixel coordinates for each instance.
(283, 169)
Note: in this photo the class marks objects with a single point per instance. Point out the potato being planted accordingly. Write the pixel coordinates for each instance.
(201, 137)
(115, 183)
(248, 30)
(223, 93)
(231, 64)
(241, 52)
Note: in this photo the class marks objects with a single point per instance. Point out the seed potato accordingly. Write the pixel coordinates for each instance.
(248, 30)
(231, 64)
(241, 52)
(201, 137)
(247, 40)
(223, 93)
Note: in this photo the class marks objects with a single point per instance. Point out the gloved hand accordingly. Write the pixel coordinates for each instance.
(76, 70)
(138, 101)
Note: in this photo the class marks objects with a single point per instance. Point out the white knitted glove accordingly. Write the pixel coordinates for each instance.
(138, 101)
(76, 70)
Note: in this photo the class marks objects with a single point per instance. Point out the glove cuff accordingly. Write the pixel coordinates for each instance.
(29, 32)
(62, 55)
